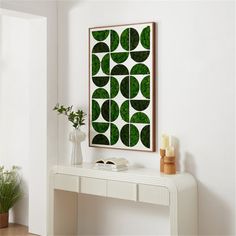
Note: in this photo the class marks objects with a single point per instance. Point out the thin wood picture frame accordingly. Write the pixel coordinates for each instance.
(122, 101)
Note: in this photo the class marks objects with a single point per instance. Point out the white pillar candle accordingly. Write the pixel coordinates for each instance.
(164, 141)
(170, 151)
(171, 141)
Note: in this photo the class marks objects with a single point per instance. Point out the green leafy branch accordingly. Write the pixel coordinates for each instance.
(76, 117)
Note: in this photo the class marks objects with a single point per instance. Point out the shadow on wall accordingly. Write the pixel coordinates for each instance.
(64, 75)
(209, 204)
(222, 223)
(23, 203)
(1, 61)
(64, 39)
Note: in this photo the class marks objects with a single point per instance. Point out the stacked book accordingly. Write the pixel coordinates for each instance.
(112, 164)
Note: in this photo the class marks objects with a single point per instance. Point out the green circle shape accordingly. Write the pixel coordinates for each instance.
(124, 111)
(129, 135)
(105, 64)
(145, 136)
(145, 87)
(114, 134)
(95, 64)
(95, 110)
(114, 87)
(129, 87)
(114, 40)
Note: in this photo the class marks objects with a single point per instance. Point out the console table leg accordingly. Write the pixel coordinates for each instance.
(65, 213)
(184, 212)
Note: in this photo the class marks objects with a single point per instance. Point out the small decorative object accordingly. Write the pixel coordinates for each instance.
(112, 164)
(122, 86)
(169, 161)
(10, 192)
(77, 118)
(164, 145)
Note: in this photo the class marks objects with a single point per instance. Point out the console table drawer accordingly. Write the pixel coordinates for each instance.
(153, 194)
(66, 182)
(93, 186)
(122, 190)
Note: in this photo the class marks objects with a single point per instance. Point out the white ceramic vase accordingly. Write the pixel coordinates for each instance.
(76, 137)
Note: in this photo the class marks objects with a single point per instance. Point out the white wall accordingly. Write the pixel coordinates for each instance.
(23, 113)
(14, 103)
(195, 104)
(47, 9)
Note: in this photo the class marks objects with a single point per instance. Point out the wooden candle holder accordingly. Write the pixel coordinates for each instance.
(162, 154)
(169, 165)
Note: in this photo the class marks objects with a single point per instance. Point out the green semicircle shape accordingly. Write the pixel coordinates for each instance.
(100, 47)
(140, 117)
(119, 70)
(134, 38)
(145, 136)
(114, 40)
(114, 87)
(140, 105)
(100, 93)
(100, 81)
(114, 110)
(145, 87)
(100, 139)
(139, 69)
(140, 56)
(124, 39)
(95, 64)
(100, 35)
(114, 134)
(105, 64)
(124, 111)
(119, 57)
(105, 110)
(124, 87)
(134, 135)
(145, 37)
(95, 110)
(134, 87)
(124, 135)
(100, 127)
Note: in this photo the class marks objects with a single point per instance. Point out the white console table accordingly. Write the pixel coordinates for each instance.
(178, 192)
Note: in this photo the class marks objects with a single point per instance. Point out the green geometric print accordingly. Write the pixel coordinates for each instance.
(121, 65)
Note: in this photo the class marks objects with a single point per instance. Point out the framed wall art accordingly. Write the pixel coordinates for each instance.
(122, 87)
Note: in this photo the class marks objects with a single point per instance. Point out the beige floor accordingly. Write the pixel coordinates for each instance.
(15, 230)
